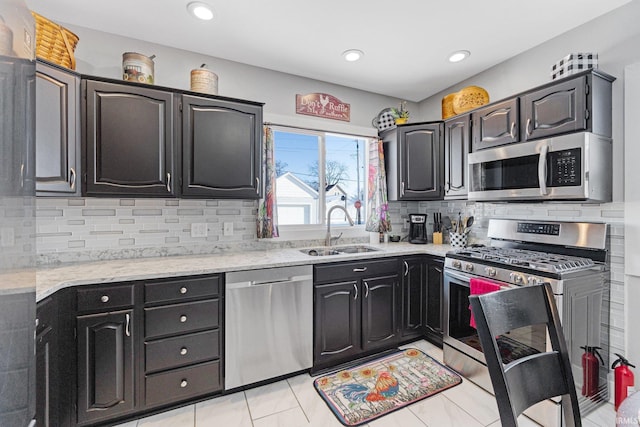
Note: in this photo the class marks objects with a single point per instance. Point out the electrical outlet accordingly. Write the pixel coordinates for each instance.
(405, 224)
(199, 229)
(227, 229)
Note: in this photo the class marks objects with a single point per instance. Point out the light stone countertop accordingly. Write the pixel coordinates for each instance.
(52, 279)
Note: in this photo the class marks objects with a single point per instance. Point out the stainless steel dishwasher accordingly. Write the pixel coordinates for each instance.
(268, 324)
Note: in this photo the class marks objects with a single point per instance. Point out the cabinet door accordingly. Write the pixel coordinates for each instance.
(435, 286)
(57, 132)
(413, 297)
(222, 148)
(554, 110)
(130, 140)
(421, 171)
(457, 135)
(105, 365)
(496, 124)
(47, 364)
(337, 321)
(379, 315)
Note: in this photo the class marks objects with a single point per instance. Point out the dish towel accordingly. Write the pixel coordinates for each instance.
(479, 287)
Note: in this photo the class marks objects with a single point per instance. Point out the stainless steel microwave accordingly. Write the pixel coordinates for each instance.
(574, 167)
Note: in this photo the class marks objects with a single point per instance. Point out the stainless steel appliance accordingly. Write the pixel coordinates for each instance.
(268, 324)
(569, 167)
(418, 228)
(570, 257)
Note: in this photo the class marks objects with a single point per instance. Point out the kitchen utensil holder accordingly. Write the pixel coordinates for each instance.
(437, 238)
(458, 240)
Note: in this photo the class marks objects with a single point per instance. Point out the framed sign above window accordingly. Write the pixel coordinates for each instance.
(323, 105)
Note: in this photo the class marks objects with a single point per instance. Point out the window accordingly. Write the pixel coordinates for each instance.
(304, 159)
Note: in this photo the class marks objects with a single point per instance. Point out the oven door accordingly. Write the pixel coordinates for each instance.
(459, 334)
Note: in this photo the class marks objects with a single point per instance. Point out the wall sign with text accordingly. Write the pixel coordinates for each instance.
(323, 105)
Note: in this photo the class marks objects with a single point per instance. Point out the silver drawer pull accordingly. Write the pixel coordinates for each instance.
(359, 270)
(183, 290)
(104, 298)
(183, 351)
(183, 383)
(183, 318)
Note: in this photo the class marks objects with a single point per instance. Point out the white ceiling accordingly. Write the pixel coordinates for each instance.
(406, 43)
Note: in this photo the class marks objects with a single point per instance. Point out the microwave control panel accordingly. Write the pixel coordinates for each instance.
(565, 168)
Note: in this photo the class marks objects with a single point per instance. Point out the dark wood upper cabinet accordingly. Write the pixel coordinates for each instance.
(414, 161)
(130, 140)
(57, 132)
(222, 148)
(457, 137)
(496, 124)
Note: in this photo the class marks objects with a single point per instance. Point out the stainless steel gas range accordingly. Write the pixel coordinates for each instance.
(570, 257)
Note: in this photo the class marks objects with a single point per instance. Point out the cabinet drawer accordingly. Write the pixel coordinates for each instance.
(354, 270)
(179, 318)
(178, 384)
(182, 289)
(105, 298)
(182, 350)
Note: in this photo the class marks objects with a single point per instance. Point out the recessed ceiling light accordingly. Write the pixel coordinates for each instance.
(459, 56)
(200, 10)
(352, 54)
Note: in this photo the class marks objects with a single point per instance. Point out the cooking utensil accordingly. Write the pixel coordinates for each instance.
(446, 222)
(459, 228)
(469, 222)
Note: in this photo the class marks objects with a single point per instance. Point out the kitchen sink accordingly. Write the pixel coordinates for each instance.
(337, 250)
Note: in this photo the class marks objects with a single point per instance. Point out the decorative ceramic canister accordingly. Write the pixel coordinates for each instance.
(137, 67)
(204, 81)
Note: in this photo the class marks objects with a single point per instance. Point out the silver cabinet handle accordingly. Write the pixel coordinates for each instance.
(512, 132)
(528, 126)
(406, 268)
(183, 383)
(402, 189)
(366, 289)
(127, 331)
(257, 185)
(169, 182)
(72, 178)
(356, 289)
(542, 169)
(183, 290)
(183, 351)
(22, 175)
(104, 298)
(359, 270)
(183, 318)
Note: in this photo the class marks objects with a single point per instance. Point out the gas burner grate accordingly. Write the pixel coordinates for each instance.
(540, 261)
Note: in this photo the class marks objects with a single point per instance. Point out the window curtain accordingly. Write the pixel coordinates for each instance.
(377, 204)
(267, 210)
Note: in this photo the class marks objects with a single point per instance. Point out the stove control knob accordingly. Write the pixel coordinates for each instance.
(534, 280)
(518, 279)
(490, 271)
(456, 264)
(468, 266)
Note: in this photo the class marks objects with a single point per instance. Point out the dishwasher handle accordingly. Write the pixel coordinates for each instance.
(253, 283)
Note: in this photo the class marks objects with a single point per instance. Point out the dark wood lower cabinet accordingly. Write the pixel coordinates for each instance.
(47, 363)
(355, 316)
(433, 302)
(106, 375)
(414, 278)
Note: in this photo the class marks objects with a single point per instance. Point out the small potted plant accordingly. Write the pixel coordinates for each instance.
(400, 115)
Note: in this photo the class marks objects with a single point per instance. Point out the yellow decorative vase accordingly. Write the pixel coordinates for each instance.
(401, 120)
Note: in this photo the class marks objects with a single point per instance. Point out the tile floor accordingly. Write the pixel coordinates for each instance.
(295, 403)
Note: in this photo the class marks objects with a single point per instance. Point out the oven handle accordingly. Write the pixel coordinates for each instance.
(542, 169)
(458, 276)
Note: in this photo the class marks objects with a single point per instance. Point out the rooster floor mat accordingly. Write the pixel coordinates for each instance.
(373, 389)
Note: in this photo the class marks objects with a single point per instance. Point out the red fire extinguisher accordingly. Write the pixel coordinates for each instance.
(623, 379)
(590, 370)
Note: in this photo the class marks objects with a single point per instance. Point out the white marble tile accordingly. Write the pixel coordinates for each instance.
(227, 411)
(289, 418)
(400, 418)
(604, 415)
(314, 407)
(129, 424)
(476, 401)
(181, 417)
(438, 411)
(270, 399)
(426, 347)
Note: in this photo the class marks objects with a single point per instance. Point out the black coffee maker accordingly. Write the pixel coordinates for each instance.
(418, 228)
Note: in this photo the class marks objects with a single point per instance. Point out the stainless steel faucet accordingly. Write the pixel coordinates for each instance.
(328, 238)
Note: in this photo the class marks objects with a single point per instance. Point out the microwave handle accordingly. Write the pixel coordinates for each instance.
(542, 169)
